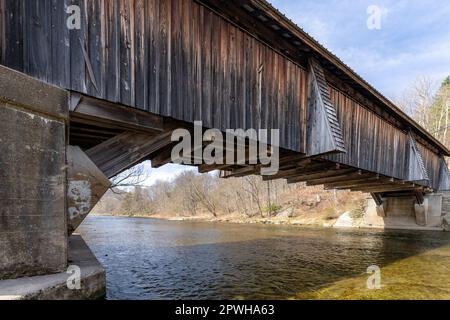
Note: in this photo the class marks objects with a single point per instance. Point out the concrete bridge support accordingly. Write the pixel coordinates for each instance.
(405, 212)
(33, 232)
(35, 248)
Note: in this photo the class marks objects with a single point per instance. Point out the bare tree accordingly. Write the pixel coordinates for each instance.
(203, 191)
(131, 178)
(254, 189)
(428, 108)
(417, 101)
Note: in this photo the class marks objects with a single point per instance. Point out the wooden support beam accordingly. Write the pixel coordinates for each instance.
(94, 111)
(357, 176)
(86, 184)
(377, 198)
(419, 197)
(295, 163)
(388, 188)
(205, 168)
(319, 175)
(371, 182)
(126, 150)
(242, 172)
(163, 157)
(307, 169)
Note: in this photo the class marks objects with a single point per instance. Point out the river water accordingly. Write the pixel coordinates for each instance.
(157, 259)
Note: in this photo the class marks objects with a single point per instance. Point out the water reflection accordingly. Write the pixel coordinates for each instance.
(154, 259)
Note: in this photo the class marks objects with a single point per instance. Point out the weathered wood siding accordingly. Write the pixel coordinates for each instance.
(171, 57)
(375, 145)
(179, 59)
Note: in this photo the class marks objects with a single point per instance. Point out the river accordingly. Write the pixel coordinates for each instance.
(157, 259)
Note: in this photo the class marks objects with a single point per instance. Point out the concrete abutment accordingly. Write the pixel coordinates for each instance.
(34, 224)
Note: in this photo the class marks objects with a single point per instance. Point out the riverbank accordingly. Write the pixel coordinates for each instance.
(355, 219)
(302, 221)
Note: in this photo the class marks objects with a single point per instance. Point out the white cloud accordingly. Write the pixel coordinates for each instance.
(166, 173)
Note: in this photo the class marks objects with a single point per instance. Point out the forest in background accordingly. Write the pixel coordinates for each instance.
(207, 196)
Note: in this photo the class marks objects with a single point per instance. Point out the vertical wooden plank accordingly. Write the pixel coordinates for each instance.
(226, 34)
(141, 55)
(294, 114)
(78, 38)
(275, 93)
(239, 105)
(2, 31)
(254, 67)
(219, 70)
(176, 71)
(60, 44)
(197, 50)
(152, 17)
(187, 63)
(39, 39)
(216, 70)
(282, 101)
(127, 52)
(165, 54)
(14, 28)
(112, 50)
(257, 85)
(207, 79)
(95, 45)
(288, 116)
(303, 103)
(267, 80)
(264, 73)
(183, 57)
(248, 81)
(232, 121)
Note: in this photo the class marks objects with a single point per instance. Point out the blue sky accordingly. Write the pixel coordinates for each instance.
(414, 41)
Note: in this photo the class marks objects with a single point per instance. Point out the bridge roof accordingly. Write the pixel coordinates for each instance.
(279, 31)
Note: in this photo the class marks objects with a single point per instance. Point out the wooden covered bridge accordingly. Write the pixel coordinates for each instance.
(89, 88)
(135, 70)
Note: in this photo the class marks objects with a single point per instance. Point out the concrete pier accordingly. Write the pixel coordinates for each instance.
(405, 213)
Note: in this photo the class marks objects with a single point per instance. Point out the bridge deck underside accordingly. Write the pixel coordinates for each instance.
(293, 166)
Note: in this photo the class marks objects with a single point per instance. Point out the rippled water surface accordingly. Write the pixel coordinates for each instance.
(155, 259)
